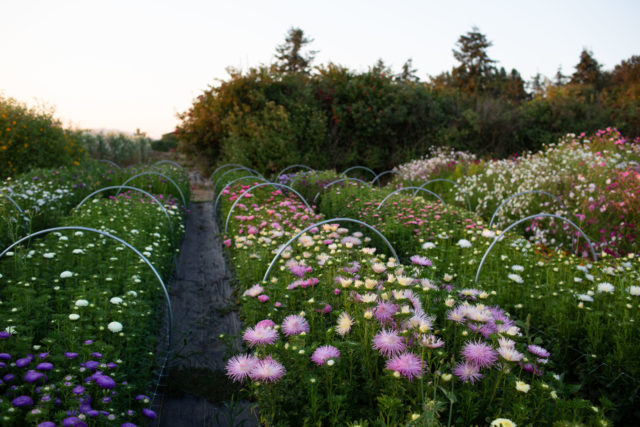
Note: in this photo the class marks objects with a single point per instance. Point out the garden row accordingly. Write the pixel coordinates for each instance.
(81, 304)
(362, 337)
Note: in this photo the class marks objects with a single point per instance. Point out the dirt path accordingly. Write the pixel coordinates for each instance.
(197, 392)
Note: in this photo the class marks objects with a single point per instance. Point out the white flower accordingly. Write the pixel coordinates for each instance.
(82, 303)
(522, 386)
(634, 290)
(428, 245)
(11, 330)
(116, 300)
(502, 422)
(66, 274)
(49, 254)
(132, 293)
(78, 251)
(517, 268)
(114, 327)
(74, 316)
(464, 243)
(583, 297)
(515, 277)
(488, 233)
(605, 287)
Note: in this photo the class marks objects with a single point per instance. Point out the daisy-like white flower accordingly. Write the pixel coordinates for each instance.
(74, 316)
(325, 353)
(479, 353)
(515, 277)
(294, 325)
(407, 365)
(239, 367)
(467, 371)
(267, 370)
(584, 297)
(389, 343)
(116, 300)
(260, 336)
(345, 322)
(464, 243)
(488, 233)
(502, 422)
(634, 290)
(606, 287)
(517, 268)
(431, 341)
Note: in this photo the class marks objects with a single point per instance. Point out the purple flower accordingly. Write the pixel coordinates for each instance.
(149, 414)
(4, 335)
(389, 343)
(8, 378)
(324, 353)
(422, 261)
(43, 355)
(294, 325)
(5, 356)
(71, 355)
(479, 353)
(128, 425)
(111, 365)
(21, 363)
(33, 376)
(91, 365)
(142, 397)
(97, 355)
(22, 401)
(260, 336)
(467, 372)
(267, 370)
(384, 311)
(47, 424)
(88, 342)
(72, 422)
(300, 270)
(78, 389)
(45, 366)
(105, 381)
(538, 351)
(407, 365)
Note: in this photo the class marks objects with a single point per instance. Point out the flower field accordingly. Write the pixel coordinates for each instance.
(79, 338)
(537, 336)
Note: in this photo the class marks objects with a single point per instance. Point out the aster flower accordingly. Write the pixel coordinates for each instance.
(389, 343)
(407, 365)
(260, 336)
(515, 277)
(254, 291)
(267, 370)
(239, 367)
(464, 243)
(510, 354)
(538, 351)
(606, 287)
(324, 353)
(22, 401)
(431, 341)
(384, 311)
(422, 261)
(294, 325)
(467, 372)
(502, 422)
(345, 322)
(634, 290)
(479, 353)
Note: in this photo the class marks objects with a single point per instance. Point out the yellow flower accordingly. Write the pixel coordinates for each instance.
(522, 386)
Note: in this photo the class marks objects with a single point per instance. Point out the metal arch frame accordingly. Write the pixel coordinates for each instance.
(151, 196)
(226, 165)
(358, 167)
(110, 162)
(253, 171)
(451, 182)
(384, 173)
(337, 181)
(168, 162)
(215, 204)
(184, 201)
(13, 202)
(520, 194)
(294, 166)
(411, 188)
(140, 255)
(273, 184)
(317, 224)
(542, 214)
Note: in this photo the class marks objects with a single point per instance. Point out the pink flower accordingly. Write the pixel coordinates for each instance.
(324, 353)
(266, 323)
(239, 367)
(407, 364)
(479, 353)
(467, 372)
(267, 370)
(294, 325)
(227, 242)
(389, 343)
(263, 298)
(260, 336)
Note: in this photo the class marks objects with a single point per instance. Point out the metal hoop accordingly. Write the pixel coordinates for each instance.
(253, 171)
(215, 204)
(317, 224)
(384, 173)
(411, 188)
(294, 166)
(337, 181)
(520, 194)
(169, 162)
(451, 182)
(126, 187)
(184, 201)
(273, 184)
(358, 167)
(226, 165)
(110, 162)
(137, 252)
(13, 202)
(499, 237)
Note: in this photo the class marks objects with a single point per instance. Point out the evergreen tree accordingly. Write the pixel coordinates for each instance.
(475, 69)
(289, 54)
(588, 71)
(408, 73)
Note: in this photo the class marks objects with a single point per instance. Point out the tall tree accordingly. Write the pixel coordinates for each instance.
(408, 73)
(588, 71)
(472, 75)
(290, 58)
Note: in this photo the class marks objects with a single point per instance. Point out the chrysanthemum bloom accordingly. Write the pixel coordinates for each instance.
(606, 287)
(384, 311)
(260, 336)
(105, 381)
(467, 371)
(267, 370)
(407, 364)
(431, 341)
(422, 261)
(378, 267)
(538, 351)
(389, 343)
(294, 325)
(115, 327)
(502, 422)
(510, 354)
(322, 354)
(479, 353)
(634, 290)
(345, 322)
(239, 367)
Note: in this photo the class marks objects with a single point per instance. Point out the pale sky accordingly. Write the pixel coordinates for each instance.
(136, 63)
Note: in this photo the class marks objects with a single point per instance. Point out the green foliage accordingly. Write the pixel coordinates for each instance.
(118, 147)
(32, 138)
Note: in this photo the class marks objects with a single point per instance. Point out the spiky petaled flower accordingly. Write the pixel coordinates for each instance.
(510, 354)
(324, 353)
(422, 261)
(239, 367)
(294, 325)
(345, 322)
(389, 343)
(260, 336)
(538, 351)
(479, 353)
(467, 371)
(267, 370)
(407, 365)
(384, 311)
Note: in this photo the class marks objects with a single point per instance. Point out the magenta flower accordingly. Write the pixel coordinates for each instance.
(467, 371)
(479, 353)
(260, 336)
(422, 261)
(389, 343)
(294, 325)
(384, 311)
(263, 298)
(407, 364)
(324, 353)
(267, 370)
(300, 270)
(239, 367)
(266, 323)
(538, 351)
